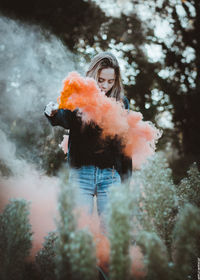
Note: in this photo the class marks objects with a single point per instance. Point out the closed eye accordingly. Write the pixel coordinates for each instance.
(102, 80)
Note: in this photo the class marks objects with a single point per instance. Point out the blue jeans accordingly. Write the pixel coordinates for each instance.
(92, 181)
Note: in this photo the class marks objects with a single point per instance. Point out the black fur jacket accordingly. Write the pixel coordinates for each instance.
(86, 146)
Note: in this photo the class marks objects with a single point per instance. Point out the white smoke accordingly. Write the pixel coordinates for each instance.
(33, 64)
(8, 157)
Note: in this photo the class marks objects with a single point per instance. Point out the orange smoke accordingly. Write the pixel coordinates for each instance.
(42, 192)
(138, 268)
(92, 222)
(138, 136)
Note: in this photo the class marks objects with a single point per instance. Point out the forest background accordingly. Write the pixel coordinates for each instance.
(158, 42)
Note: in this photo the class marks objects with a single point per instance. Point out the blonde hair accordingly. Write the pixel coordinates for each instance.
(107, 60)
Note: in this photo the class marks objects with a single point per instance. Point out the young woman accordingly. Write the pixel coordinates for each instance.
(96, 164)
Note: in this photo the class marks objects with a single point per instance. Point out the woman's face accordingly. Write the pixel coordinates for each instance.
(106, 79)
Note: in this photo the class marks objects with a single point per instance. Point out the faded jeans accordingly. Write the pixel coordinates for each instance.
(92, 181)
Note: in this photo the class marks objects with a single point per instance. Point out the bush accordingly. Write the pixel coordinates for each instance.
(189, 188)
(150, 211)
(157, 202)
(45, 258)
(75, 251)
(15, 239)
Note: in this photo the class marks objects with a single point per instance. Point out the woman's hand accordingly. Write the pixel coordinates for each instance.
(51, 109)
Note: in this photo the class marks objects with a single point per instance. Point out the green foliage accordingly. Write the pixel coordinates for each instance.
(120, 227)
(75, 251)
(4, 170)
(182, 84)
(144, 211)
(171, 242)
(189, 188)
(15, 239)
(83, 258)
(51, 154)
(156, 260)
(158, 203)
(187, 242)
(45, 258)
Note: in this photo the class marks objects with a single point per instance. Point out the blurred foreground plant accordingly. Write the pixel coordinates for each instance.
(45, 258)
(186, 248)
(120, 214)
(187, 242)
(158, 202)
(15, 239)
(168, 233)
(75, 251)
(156, 258)
(189, 188)
(149, 212)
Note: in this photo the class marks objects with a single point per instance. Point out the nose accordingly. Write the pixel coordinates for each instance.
(105, 85)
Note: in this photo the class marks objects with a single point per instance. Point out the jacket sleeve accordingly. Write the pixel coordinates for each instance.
(126, 162)
(126, 103)
(61, 118)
